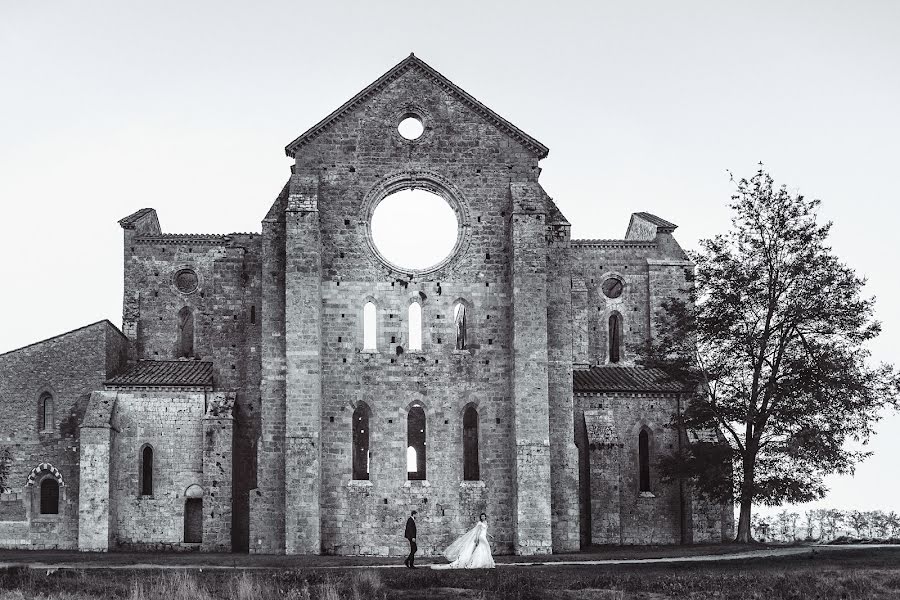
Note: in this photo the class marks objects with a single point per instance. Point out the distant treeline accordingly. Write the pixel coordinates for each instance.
(826, 525)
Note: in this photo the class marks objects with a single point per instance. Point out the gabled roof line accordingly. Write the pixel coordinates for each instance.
(71, 331)
(412, 60)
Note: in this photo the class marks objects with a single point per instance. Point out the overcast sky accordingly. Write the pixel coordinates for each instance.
(107, 107)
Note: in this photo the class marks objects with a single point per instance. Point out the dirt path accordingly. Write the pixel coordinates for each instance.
(98, 563)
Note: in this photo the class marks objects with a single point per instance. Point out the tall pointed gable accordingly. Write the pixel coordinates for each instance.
(414, 62)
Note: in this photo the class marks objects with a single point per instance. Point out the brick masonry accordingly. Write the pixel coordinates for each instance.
(268, 445)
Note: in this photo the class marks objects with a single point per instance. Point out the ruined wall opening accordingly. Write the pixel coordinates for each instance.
(471, 466)
(414, 229)
(460, 320)
(415, 326)
(370, 326)
(415, 443)
(361, 455)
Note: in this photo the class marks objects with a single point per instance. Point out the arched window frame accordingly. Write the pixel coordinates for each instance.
(644, 462)
(145, 475)
(415, 317)
(49, 495)
(186, 341)
(462, 332)
(361, 463)
(46, 411)
(417, 440)
(471, 443)
(365, 341)
(615, 355)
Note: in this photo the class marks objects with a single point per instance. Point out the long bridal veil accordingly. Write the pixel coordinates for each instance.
(462, 542)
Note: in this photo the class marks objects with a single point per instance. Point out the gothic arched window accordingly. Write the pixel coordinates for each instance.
(370, 329)
(415, 443)
(471, 469)
(361, 441)
(415, 326)
(185, 333)
(644, 460)
(615, 337)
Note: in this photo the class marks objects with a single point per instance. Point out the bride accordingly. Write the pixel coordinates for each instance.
(471, 550)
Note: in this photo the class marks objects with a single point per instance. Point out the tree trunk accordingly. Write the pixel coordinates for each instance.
(744, 535)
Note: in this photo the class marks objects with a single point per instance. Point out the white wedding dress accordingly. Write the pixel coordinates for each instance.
(469, 551)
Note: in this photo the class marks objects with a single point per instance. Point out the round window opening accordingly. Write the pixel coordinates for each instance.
(612, 287)
(186, 281)
(414, 229)
(411, 127)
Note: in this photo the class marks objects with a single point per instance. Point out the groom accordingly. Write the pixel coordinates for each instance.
(410, 534)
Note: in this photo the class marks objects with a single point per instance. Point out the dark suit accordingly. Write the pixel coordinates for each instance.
(410, 534)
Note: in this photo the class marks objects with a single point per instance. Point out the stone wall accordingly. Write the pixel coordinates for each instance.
(467, 157)
(227, 313)
(617, 511)
(171, 422)
(69, 366)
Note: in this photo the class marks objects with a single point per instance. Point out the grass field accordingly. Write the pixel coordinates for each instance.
(852, 574)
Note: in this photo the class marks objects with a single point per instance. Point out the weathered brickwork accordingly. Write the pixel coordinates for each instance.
(67, 367)
(246, 363)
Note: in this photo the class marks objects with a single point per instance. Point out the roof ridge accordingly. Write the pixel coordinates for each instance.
(59, 335)
(394, 72)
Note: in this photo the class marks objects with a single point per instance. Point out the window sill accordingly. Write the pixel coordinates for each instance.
(647, 495)
(368, 351)
(359, 483)
(416, 483)
(471, 484)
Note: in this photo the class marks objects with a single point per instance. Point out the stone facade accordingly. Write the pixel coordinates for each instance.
(247, 363)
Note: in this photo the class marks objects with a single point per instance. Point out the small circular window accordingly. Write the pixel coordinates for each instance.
(612, 287)
(186, 281)
(411, 127)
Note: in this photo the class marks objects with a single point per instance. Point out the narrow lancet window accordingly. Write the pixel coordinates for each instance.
(415, 443)
(459, 318)
(644, 460)
(361, 441)
(615, 337)
(185, 333)
(415, 326)
(369, 327)
(147, 471)
(471, 469)
(46, 412)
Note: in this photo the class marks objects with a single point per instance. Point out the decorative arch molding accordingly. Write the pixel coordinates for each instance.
(44, 468)
(429, 181)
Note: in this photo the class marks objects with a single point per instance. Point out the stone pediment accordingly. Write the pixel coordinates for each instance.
(412, 62)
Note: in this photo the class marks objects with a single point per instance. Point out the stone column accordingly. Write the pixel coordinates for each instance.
(303, 385)
(96, 509)
(218, 437)
(605, 451)
(267, 500)
(563, 453)
(531, 486)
